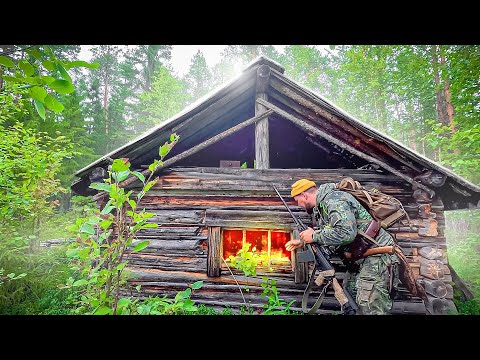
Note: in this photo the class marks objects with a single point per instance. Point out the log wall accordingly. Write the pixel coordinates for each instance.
(193, 204)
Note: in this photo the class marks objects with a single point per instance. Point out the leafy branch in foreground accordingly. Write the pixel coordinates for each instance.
(42, 75)
(101, 251)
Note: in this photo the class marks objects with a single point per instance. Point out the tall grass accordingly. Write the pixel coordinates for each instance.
(46, 268)
(463, 242)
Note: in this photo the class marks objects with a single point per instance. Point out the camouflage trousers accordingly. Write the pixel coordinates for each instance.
(370, 286)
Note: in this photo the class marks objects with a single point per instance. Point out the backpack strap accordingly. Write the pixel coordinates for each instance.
(324, 275)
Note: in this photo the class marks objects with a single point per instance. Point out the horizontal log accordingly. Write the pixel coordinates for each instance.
(285, 175)
(187, 263)
(254, 219)
(239, 182)
(160, 246)
(170, 217)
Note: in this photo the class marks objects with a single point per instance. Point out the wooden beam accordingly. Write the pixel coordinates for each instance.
(307, 127)
(201, 146)
(214, 260)
(262, 153)
(301, 96)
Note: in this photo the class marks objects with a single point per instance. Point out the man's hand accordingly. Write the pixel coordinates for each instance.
(305, 238)
(307, 235)
(293, 244)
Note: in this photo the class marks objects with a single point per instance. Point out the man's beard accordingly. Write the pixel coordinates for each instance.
(309, 210)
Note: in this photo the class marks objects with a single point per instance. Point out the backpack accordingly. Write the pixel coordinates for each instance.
(384, 208)
(387, 210)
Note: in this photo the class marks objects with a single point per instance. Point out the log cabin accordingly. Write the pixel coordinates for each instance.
(215, 192)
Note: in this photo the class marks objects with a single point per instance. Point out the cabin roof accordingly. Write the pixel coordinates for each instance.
(231, 103)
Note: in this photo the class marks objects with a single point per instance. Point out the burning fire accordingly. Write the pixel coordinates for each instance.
(233, 241)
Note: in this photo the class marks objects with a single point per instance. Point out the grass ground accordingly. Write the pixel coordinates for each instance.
(463, 242)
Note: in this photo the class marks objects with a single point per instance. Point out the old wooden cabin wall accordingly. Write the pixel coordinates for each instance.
(191, 204)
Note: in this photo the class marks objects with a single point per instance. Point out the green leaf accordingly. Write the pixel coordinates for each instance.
(141, 245)
(120, 165)
(6, 61)
(152, 166)
(164, 150)
(47, 50)
(132, 203)
(53, 104)
(40, 108)
(35, 80)
(49, 65)
(121, 175)
(100, 186)
(72, 252)
(105, 224)
(14, 79)
(139, 176)
(121, 266)
(172, 137)
(63, 72)
(197, 285)
(34, 53)
(80, 282)
(103, 310)
(37, 93)
(123, 302)
(26, 67)
(149, 185)
(62, 86)
(88, 229)
(47, 79)
(79, 63)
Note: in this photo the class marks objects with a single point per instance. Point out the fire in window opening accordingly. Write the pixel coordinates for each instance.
(269, 242)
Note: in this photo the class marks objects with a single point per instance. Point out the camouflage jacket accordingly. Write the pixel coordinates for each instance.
(337, 213)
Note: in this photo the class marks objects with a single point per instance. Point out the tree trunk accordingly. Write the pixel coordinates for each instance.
(439, 91)
(105, 105)
(446, 89)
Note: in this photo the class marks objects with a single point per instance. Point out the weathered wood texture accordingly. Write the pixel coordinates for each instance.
(192, 205)
(262, 153)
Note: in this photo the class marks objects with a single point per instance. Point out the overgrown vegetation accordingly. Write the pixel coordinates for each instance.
(58, 114)
(248, 261)
(463, 240)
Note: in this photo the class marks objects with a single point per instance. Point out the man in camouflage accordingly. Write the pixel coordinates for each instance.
(340, 217)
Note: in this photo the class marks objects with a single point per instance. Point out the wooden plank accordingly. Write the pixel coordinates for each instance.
(173, 247)
(214, 251)
(325, 175)
(262, 153)
(174, 217)
(167, 262)
(254, 219)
